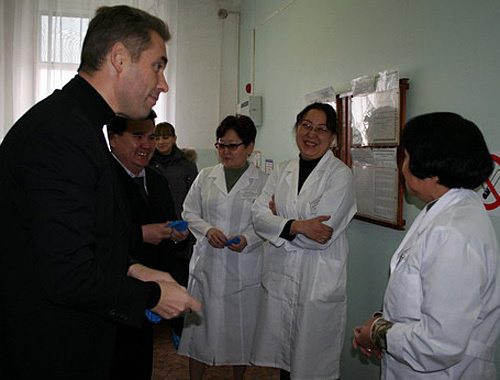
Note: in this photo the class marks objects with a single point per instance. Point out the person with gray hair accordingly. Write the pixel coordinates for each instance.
(66, 275)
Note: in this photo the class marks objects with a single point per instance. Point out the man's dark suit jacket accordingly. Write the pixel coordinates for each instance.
(133, 358)
(159, 208)
(64, 242)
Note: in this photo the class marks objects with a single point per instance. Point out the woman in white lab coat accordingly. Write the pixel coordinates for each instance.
(224, 274)
(441, 312)
(303, 212)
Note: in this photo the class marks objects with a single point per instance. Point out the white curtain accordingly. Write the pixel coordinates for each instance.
(40, 43)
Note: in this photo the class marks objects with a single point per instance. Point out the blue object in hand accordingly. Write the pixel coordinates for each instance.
(179, 225)
(153, 317)
(235, 240)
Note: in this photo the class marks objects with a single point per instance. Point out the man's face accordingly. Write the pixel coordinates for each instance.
(142, 82)
(136, 146)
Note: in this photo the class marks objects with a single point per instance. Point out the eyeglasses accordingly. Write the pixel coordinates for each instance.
(231, 147)
(308, 127)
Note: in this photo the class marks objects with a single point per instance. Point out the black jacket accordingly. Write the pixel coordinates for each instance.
(158, 209)
(179, 172)
(133, 356)
(64, 242)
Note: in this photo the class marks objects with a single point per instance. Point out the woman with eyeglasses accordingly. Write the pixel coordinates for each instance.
(303, 211)
(225, 269)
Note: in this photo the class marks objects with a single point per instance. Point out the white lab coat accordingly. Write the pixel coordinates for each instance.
(444, 294)
(226, 282)
(303, 311)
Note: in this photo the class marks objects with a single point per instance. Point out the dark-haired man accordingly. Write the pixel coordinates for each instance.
(147, 193)
(66, 278)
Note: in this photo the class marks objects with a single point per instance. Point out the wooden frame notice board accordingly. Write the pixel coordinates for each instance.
(368, 142)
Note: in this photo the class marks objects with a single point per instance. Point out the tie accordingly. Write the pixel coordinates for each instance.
(139, 183)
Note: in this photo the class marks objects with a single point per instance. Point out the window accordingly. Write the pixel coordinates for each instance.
(61, 39)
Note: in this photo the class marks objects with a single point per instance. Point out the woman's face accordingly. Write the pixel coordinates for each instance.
(165, 143)
(312, 136)
(232, 156)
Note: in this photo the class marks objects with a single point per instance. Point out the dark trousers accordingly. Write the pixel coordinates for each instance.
(284, 375)
(133, 355)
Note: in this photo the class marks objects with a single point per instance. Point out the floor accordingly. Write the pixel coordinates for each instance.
(170, 366)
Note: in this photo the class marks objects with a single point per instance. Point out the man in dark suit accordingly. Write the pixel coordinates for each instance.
(147, 192)
(66, 277)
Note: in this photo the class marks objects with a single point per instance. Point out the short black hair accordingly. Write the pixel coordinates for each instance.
(331, 115)
(120, 23)
(446, 145)
(119, 124)
(241, 124)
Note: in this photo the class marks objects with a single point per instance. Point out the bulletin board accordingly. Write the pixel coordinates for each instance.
(371, 118)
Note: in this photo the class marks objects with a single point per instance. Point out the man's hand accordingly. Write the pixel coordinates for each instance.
(178, 236)
(154, 233)
(174, 301)
(145, 274)
(313, 228)
(174, 298)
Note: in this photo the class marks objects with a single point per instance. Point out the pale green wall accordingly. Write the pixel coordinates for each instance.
(207, 157)
(447, 48)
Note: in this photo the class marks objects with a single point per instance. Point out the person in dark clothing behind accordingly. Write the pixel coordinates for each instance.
(180, 173)
(146, 191)
(66, 278)
(173, 163)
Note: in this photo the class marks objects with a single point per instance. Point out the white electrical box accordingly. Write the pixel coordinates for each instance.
(252, 108)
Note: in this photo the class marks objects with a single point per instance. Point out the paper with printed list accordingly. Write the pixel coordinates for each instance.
(376, 175)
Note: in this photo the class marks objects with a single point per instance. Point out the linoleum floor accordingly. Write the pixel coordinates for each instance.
(167, 365)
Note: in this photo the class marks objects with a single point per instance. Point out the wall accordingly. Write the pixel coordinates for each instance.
(447, 49)
(206, 61)
(202, 71)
